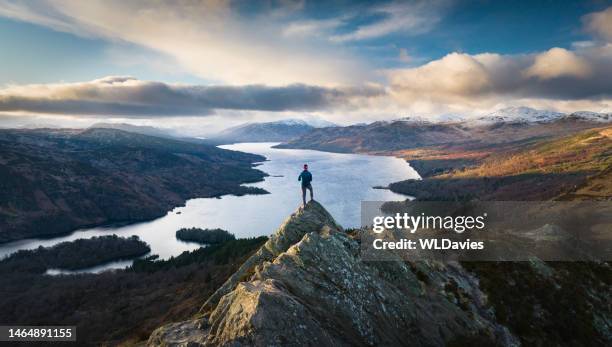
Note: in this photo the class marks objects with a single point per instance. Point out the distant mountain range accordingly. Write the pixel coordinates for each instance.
(502, 126)
(149, 131)
(530, 115)
(520, 114)
(138, 129)
(279, 131)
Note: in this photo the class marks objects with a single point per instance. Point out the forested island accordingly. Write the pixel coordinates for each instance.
(75, 255)
(123, 306)
(205, 236)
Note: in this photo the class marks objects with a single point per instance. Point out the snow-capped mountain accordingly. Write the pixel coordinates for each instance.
(510, 115)
(277, 131)
(442, 118)
(413, 119)
(450, 118)
(316, 122)
(592, 116)
(312, 122)
(519, 114)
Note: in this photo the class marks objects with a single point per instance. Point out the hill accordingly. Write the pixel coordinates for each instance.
(148, 130)
(308, 285)
(577, 166)
(55, 181)
(138, 129)
(278, 131)
(390, 136)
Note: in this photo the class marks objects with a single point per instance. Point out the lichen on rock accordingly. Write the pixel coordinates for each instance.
(307, 286)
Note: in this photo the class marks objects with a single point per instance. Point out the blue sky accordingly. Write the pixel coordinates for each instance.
(363, 60)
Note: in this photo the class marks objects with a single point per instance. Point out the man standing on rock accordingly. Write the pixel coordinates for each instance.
(306, 178)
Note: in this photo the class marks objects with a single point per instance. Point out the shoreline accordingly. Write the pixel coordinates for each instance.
(122, 223)
(242, 191)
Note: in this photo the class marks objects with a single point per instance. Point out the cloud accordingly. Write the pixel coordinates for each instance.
(127, 96)
(403, 17)
(558, 62)
(558, 79)
(599, 23)
(309, 28)
(209, 38)
(555, 74)
(453, 74)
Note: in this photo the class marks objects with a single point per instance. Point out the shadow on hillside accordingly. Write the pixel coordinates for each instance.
(524, 187)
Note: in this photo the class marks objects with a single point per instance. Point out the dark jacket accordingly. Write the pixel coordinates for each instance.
(305, 177)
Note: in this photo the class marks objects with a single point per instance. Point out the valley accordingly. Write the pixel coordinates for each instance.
(564, 159)
(532, 155)
(55, 181)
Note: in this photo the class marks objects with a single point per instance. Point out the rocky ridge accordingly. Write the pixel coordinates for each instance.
(308, 286)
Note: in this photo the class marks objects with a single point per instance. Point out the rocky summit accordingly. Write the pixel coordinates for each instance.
(308, 286)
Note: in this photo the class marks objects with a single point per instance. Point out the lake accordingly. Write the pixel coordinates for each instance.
(340, 183)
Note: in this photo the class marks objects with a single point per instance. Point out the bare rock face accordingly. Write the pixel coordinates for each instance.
(307, 286)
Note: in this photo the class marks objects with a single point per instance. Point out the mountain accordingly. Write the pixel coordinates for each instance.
(591, 116)
(509, 125)
(577, 166)
(138, 129)
(316, 122)
(279, 131)
(378, 136)
(414, 120)
(149, 131)
(307, 285)
(442, 118)
(55, 181)
(519, 114)
(510, 115)
(529, 115)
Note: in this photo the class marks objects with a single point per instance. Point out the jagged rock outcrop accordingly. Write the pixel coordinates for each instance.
(308, 286)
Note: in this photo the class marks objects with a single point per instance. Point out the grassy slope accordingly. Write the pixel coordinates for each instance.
(555, 303)
(578, 164)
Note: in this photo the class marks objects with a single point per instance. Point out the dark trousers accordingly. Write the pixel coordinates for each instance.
(304, 187)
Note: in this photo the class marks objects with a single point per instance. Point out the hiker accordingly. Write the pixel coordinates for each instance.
(306, 178)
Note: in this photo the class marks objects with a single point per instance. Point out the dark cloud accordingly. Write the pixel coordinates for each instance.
(126, 96)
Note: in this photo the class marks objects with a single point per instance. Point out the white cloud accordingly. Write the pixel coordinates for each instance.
(405, 17)
(309, 28)
(459, 82)
(558, 62)
(600, 23)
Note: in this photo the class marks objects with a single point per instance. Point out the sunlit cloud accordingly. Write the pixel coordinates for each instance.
(483, 80)
(600, 23)
(208, 38)
(558, 62)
